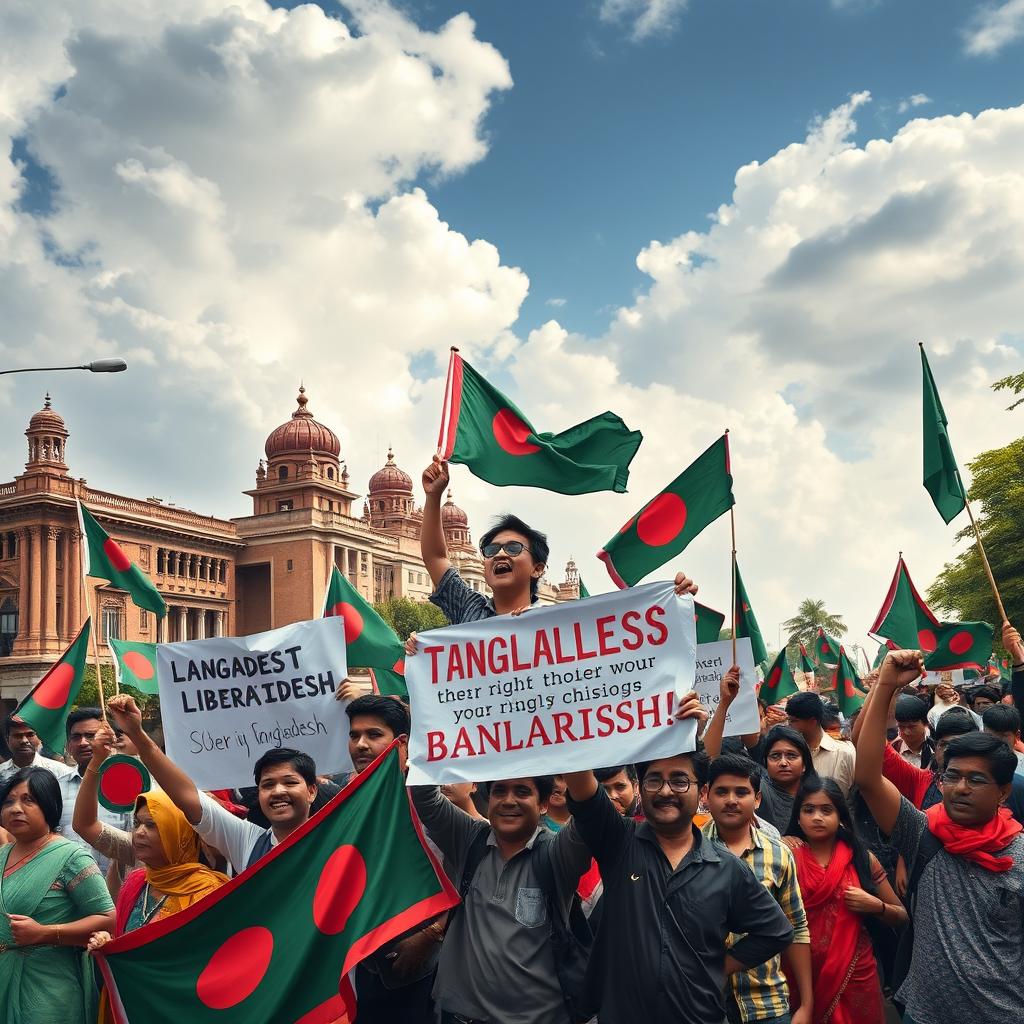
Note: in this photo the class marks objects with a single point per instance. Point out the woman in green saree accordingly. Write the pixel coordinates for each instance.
(52, 898)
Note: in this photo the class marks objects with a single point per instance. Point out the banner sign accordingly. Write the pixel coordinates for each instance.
(585, 684)
(949, 676)
(713, 661)
(226, 701)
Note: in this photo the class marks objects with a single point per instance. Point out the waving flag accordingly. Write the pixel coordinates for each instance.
(134, 664)
(778, 682)
(904, 618)
(941, 475)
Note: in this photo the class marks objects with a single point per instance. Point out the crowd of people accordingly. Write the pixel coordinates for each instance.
(814, 872)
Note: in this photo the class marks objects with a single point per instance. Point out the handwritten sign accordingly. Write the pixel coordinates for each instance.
(585, 684)
(226, 701)
(713, 661)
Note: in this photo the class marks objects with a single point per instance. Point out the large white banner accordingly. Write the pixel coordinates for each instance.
(585, 684)
(226, 701)
(713, 661)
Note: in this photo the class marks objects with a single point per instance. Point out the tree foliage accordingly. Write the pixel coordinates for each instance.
(810, 616)
(1015, 383)
(405, 616)
(961, 590)
(89, 697)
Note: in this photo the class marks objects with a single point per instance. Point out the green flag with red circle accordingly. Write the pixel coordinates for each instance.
(846, 686)
(104, 559)
(904, 618)
(134, 664)
(47, 705)
(953, 645)
(369, 641)
(806, 665)
(746, 621)
(669, 521)
(275, 945)
(826, 649)
(778, 681)
(388, 682)
(484, 431)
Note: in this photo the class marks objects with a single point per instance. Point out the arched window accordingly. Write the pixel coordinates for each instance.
(282, 473)
(330, 472)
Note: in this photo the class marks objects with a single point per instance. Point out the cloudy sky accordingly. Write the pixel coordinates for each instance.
(703, 214)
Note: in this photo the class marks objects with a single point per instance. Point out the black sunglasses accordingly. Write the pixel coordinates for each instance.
(511, 547)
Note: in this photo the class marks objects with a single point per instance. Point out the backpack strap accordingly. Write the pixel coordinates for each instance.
(927, 847)
(475, 853)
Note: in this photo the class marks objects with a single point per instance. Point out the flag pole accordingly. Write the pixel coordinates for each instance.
(89, 613)
(732, 527)
(446, 407)
(984, 557)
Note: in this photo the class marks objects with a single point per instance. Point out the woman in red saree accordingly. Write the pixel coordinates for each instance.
(842, 883)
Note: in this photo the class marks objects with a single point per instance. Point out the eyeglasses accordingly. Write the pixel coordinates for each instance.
(974, 781)
(510, 547)
(784, 755)
(677, 783)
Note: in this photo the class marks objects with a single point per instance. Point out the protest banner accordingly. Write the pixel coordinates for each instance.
(225, 701)
(713, 661)
(578, 685)
(947, 676)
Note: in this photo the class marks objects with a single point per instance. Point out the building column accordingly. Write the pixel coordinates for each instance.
(201, 624)
(161, 626)
(49, 594)
(24, 581)
(182, 622)
(73, 598)
(35, 584)
(218, 624)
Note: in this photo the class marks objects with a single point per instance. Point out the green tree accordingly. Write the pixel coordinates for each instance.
(803, 627)
(1014, 384)
(405, 616)
(88, 695)
(961, 590)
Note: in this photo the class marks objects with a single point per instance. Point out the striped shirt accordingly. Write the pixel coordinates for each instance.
(761, 993)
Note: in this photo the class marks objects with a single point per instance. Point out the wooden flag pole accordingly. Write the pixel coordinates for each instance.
(95, 646)
(446, 407)
(984, 561)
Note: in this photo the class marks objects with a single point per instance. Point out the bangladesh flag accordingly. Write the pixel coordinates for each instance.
(47, 705)
(941, 475)
(709, 623)
(134, 664)
(904, 618)
(389, 682)
(779, 681)
(826, 649)
(958, 645)
(276, 943)
(669, 521)
(103, 558)
(484, 431)
(883, 650)
(583, 589)
(806, 665)
(746, 622)
(846, 686)
(369, 641)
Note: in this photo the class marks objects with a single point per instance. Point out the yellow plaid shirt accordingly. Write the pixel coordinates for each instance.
(761, 993)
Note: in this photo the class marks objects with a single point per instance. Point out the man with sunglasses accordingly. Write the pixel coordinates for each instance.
(670, 897)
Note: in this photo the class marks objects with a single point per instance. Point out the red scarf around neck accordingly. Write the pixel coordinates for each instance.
(977, 844)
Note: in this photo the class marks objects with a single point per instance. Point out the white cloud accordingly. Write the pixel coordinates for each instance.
(919, 99)
(557, 303)
(646, 18)
(994, 27)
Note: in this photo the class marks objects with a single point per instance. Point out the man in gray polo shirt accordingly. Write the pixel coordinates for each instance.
(496, 961)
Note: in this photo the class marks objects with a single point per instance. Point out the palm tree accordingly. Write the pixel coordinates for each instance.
(810, 616)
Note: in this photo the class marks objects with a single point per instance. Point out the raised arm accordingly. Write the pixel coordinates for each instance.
(85, 820)
(432, 545)
(728, 688)
(899, 669)
(169, 777)
(1015, 648)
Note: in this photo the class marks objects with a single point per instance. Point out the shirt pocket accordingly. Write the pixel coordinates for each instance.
(531, 911)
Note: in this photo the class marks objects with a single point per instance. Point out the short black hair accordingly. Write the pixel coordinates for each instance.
(735, 764)
(1001, 718)
(1002, 760)
(392, 712)
(780, 733)
(537, 542)
(81, 715)
(11, 721)
(806, 705)
(545, 785)
(45, 790)
(697, 757)
(605, 774)
(300, 761)
(911, 709)
(986, 691)
(954, 722)
(830, 712)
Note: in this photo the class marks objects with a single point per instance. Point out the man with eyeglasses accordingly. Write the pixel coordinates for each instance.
(671, 897)
(965, 857)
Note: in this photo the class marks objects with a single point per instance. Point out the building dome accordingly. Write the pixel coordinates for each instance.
(390, 478)
(452, 517)
(47, 420)
(301, 433)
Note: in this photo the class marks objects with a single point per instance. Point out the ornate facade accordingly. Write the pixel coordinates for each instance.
(218, 576)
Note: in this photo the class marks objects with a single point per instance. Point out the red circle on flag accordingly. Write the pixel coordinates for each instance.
(399, 667)
(825, 647)
(118, 559)
(848, 687)
(122, 783)
(353, 620)
(139, 664)
(961, 643)
(662, 521)
(774, 676)
(236, 969)
(927, 639)
(511, 433)
(339, 890)
(53, 691)
(326, 1012)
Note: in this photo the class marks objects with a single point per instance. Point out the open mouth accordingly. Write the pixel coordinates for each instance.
(502, 568)
(277, 805)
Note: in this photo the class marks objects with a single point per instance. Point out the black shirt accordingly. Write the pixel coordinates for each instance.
(659, 954)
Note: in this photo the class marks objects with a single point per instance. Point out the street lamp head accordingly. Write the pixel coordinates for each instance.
(106, 366)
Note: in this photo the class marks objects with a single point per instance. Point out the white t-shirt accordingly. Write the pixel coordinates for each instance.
(59, 768)
(234, 837)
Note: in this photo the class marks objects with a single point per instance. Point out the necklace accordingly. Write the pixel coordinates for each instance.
(147, 914)
(31, 853)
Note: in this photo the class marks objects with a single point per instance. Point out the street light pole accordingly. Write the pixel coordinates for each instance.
(96, 366)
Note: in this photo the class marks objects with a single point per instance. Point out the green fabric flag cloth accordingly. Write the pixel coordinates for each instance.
(778, 681)
(369, 641)
(941, 476)
(709, 623)
(746, 622)
(826, 649)
(1005, 667)
(883, 650)
(484, 431)
(904, 618)
(669, 521)
(583, 590)
(953, 645)
(389, 682)
(806, 665)
(47, 705)
(134, 664)
(276, 943)
(103, 559)
(846, 687)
